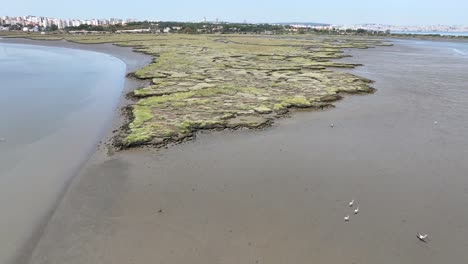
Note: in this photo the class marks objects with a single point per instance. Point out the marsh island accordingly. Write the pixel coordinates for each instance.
(198, 82)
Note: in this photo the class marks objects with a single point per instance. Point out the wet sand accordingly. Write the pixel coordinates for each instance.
(40, 159)
(280, 195)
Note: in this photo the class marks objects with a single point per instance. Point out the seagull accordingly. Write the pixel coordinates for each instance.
(422, 237)
(346, 218)
(435, 122)
(351, 203)
(332, 125)
(356, 211)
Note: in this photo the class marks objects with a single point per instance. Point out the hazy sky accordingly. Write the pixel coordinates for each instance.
(403, 12)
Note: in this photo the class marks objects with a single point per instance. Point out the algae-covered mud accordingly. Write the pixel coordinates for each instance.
(231, 82)
(279, 196)
(216, 82)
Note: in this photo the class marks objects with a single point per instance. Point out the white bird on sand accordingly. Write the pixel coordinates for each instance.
(346, 218)
(2, 139)
(332, 125)
(356, 211)
(435, 122)
(422, 237)
(351, 203)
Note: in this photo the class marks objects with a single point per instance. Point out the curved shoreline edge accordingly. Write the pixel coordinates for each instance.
(138, 130)
(123, 118)
(133, 61)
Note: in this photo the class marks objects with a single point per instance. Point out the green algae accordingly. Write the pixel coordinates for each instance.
(230, 81)
(297, 101)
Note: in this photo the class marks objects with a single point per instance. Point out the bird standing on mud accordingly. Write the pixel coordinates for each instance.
(356, 211)
(422, 237)
(351, 203)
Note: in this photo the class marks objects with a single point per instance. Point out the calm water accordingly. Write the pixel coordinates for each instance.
(54, 106)
(442, 33)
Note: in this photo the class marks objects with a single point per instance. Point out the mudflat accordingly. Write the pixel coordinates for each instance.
(200, 82)
(279, 195)
(53, 118)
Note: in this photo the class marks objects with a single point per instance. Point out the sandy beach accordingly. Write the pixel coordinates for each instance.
(279, 195)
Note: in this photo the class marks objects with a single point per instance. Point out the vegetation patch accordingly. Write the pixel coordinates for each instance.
(230, 81)
(235, 81)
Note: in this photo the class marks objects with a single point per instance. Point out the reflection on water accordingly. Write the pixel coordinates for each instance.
(459, 52)
(54, 105)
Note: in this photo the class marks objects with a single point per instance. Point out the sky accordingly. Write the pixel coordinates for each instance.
(396, 12)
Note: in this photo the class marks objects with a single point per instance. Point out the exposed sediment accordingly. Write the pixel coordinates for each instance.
(232, 82)
(202, 82)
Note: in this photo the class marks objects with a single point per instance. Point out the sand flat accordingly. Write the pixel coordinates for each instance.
(279, 195)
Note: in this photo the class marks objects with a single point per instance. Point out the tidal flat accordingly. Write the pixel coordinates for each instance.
(200, 82)
(279, 195)
(59, 100)
(219, 82)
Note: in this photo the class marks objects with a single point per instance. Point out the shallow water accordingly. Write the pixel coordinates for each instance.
(280, 195)
(442, 33)
(55, 104)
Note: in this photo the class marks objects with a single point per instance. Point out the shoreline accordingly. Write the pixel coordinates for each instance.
(106, 147)
(121, 129)
(254, 197)
(133, 61)
(279, 195)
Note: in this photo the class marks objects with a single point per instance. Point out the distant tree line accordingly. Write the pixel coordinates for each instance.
(186, 27)
(209, 28)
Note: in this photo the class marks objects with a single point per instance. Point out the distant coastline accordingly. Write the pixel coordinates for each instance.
(441, 33)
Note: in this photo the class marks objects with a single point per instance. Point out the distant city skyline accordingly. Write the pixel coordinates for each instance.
(394, 12)
(41, 23)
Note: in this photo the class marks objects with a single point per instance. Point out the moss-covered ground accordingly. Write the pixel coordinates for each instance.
(230, 81)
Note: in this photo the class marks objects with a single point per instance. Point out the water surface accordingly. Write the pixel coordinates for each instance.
(442, 33)
(54, 106)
